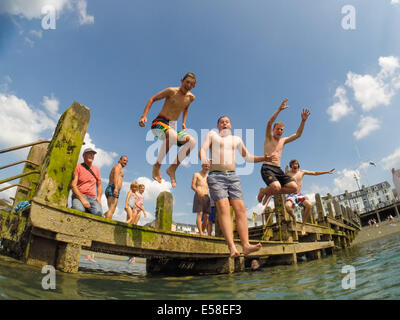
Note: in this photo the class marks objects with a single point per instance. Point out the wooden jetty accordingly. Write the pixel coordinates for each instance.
(49, 233)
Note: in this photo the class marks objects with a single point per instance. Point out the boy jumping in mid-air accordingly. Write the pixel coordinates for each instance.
(277, 181)
(177, 101)
(297, 198)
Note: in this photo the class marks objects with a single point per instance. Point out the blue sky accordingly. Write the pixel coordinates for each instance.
(248, 56)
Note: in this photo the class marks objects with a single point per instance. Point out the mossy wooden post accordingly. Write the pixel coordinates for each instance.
(164, 211)
(344, 213)
(320, 207)
(62, 155)
(283, 219)
(54, 186)
(36, 155)
(330, 206)
(338, 210)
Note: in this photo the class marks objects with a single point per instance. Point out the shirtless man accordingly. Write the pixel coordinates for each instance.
(114, 186)
(297, 198)
(177, 101)
(224, 184)
(201, 201)
(277, 181)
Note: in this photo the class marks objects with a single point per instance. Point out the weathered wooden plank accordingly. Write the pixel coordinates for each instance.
(113, 235)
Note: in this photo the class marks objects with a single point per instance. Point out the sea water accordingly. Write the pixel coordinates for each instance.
(376, 267)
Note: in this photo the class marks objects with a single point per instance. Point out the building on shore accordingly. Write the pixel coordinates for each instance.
(367, 198)
(376, 201)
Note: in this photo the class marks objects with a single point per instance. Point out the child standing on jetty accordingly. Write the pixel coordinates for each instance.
(177, 101)
(201, 201)
(134, 204)
(277, 181)
(139, 203)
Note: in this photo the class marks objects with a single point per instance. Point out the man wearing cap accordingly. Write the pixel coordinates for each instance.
(86, 185)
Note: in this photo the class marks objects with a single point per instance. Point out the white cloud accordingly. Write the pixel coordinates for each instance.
(84, 18)
(366, 126)
(340, 108)
(345, 181)
(102, 158)
(373, 91)
(392, 160)
(395, 2)
(369, 91)
(21, 123)
(153, 188)
(51, 104)
(36, 33)
(6, 194)
(32, 9)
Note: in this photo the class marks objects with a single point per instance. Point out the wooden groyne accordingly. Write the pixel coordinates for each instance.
(49, 233)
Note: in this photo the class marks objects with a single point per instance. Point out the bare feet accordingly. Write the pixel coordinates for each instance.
(266, 199)
(251, 248)
(171, 172)
(234, 252)
(303, 230)
(264, 196)
(89, 258)
(157, 172)
(260, 195)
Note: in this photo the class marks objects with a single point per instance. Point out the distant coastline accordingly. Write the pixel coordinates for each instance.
(382, 230)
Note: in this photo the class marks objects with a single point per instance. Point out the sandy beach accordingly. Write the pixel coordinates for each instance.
(377, 231)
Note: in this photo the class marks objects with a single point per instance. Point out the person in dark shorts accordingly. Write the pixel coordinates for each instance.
(201, 201)
(276, 180)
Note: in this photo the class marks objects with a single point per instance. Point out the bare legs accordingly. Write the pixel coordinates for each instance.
(307, 209)
(132, 215)
(226, 226)
(112, 205)
(276, 188)
(202, 225)
(171, 137)
(289, 209)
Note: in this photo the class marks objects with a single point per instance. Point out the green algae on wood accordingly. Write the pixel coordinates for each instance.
(62, 155)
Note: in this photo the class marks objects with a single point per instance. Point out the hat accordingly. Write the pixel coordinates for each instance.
(89, 150)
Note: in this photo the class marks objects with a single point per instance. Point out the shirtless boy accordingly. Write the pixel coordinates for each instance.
(277, 181)
(114, 186)
(297, 198)
(177, 101)
(224, 184)
(201, 201)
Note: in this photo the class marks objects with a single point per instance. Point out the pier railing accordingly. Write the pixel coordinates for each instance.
(31, 172)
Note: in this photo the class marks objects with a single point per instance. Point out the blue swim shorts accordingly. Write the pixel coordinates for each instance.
(110, 191)
(224, 184)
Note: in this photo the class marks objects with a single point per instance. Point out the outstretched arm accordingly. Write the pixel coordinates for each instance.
(248, 156)
(304, 116)
(317, 173)
(161, 95)
(268, 132)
